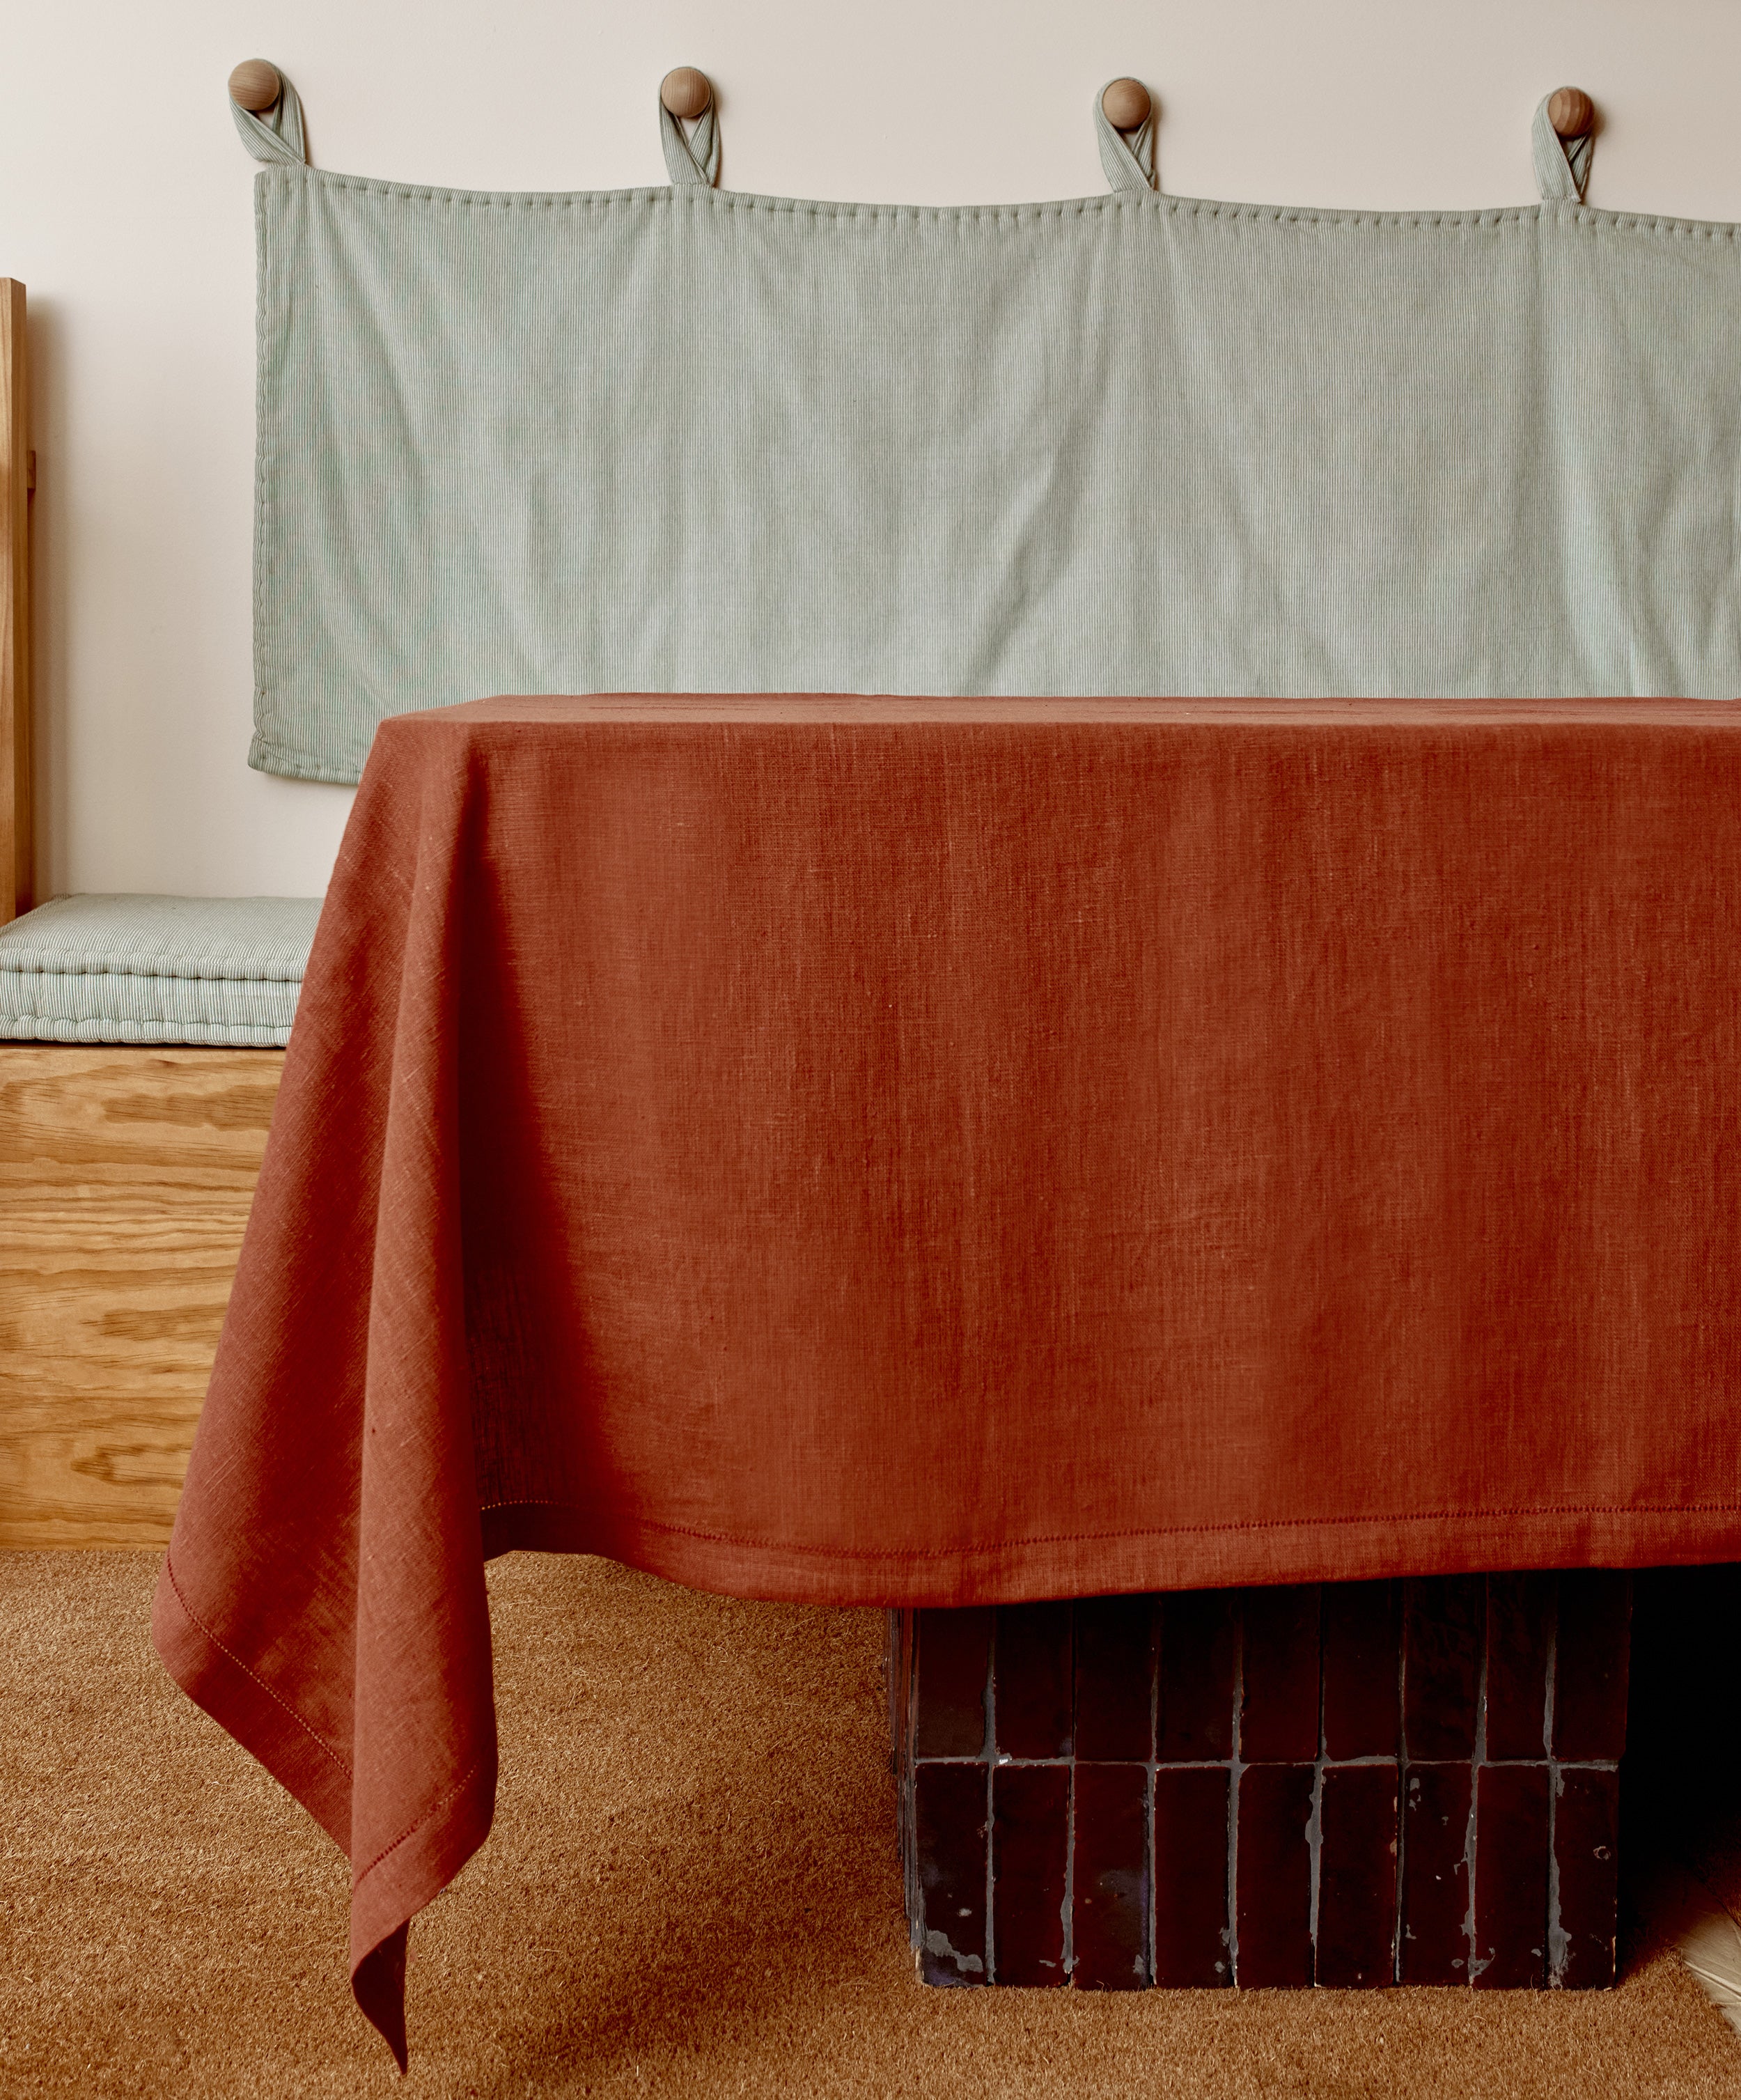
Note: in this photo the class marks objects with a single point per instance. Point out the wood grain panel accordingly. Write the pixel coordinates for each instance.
(126, 1176)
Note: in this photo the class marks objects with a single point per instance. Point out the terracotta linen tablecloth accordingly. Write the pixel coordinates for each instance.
(931, 1153)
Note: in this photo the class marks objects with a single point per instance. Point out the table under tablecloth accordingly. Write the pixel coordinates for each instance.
(947, 1152)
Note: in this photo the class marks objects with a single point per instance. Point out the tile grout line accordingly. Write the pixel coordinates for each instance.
(1555, 1943)
(1315, 1821)
(1068, 1955)
(1371, 1761)
(988, 1753)
(1154, 1784)
(1235, 1769)
(1477, 1761)
(907, 1759)
(1397, 1925)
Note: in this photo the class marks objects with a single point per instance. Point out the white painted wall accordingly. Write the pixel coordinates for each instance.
(126, 206)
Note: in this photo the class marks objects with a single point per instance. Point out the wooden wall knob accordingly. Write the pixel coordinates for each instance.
(685, 92)
(1126, 104)
(1570, 112)
(255, 85)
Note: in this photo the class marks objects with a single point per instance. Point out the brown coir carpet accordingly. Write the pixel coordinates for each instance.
(692, 1888)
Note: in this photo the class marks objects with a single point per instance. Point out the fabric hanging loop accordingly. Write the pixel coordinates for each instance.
(1563, 165)
(277, 135)
(1127, 157)
(694, 158)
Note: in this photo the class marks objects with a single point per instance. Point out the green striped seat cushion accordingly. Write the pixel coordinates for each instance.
(156, 969)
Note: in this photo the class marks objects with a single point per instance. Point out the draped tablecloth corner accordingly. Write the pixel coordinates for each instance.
(323, 1596)
(942, 1152)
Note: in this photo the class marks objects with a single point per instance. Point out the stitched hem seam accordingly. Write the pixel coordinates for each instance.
(229, 1655)
(429, 1815)
(1585, 219)
(1147, 1531)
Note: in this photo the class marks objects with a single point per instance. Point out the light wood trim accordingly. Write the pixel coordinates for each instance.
(125, 1178)
(17, 841)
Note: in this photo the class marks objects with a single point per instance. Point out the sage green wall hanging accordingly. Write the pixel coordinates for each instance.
(679, 439)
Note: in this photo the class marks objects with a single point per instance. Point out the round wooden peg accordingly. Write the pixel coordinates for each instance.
(1570, 112)
(255, 85)
(1126, 104)
(685, 92)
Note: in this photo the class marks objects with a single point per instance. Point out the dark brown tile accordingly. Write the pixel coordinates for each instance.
(1363, 1629)
(1511, 1877)
(1272, 1878)
(1519, 1639)
(1586, 1851)
(1357, 1876)
(1279, 1675)
(897, 1657)
(1592, 1653)
(1441, 1665)
(952, 1828)
(951, 1665)
(1115, 1678)
(1030, 1833)
(1191, 1877)
(1109, 1918)
(1435, 1944)
(1199, 1653)
(1031, 1688)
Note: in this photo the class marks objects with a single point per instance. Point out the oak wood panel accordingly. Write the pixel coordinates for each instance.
(126, 1176)
(16, 835)
(145, 1126)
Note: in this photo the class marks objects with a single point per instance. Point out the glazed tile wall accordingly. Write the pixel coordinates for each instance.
(1347, 1784)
